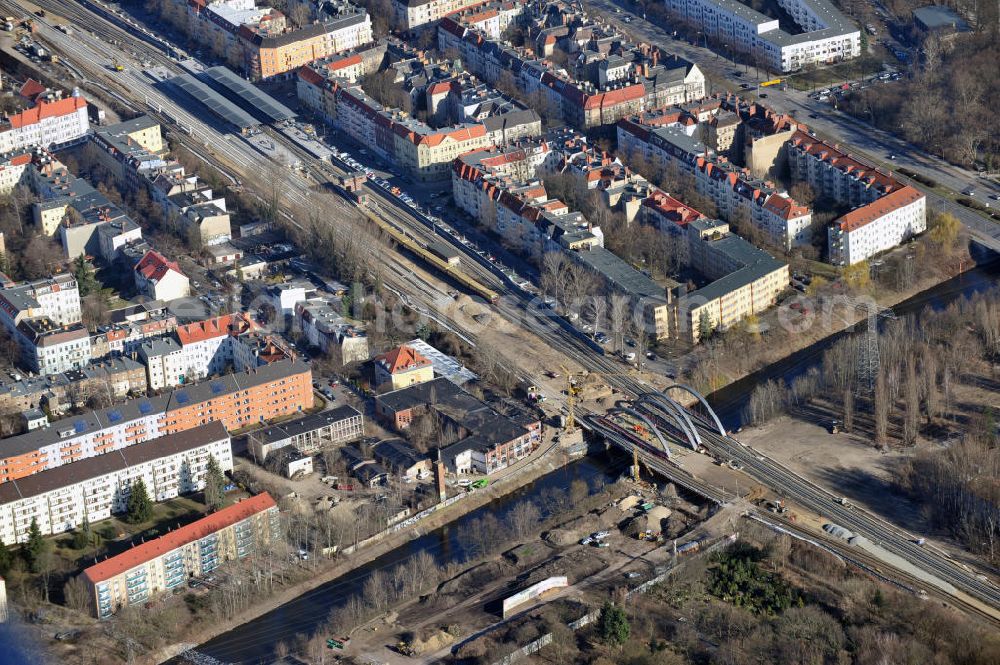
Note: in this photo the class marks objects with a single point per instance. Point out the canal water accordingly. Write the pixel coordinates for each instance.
(253, 642)
(729, 402)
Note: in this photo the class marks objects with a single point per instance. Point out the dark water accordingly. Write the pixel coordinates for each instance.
(730, 401)
(253, 642)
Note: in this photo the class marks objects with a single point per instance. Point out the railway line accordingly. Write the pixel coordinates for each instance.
(94, 60)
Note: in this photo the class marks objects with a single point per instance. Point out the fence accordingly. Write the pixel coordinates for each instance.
(587, 619)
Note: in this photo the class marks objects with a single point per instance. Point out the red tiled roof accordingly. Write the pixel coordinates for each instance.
(44, 110)
(220, 326)
(154, 266)
(31, 89)
(148, 551)
(785, 208)
(402, 358)
(671, 208)
(869, 213)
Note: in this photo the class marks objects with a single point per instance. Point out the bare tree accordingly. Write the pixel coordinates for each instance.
(524, 518)
(848, 410)
(881, 411)
(911, 415)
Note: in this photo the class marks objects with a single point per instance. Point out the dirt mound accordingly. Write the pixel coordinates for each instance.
(433, 642)
(562, 537)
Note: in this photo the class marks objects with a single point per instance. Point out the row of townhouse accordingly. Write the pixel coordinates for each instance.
(94, 489)
(262, 43)
(112, 378)
(502, 189)
(50, 122)
(157, 566)
(423, 151)
(885, 212)
(236, 400)
(648, 77)
(411, 14)
(826, 35)
(135, 153)
(231, 342)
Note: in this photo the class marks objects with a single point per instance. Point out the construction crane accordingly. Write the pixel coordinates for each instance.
(572, 391)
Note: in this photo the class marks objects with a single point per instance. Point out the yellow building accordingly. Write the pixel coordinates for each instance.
(748, 280)
(402, 367)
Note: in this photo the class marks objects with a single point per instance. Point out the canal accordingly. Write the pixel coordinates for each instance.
(729, 402)
(253, 643)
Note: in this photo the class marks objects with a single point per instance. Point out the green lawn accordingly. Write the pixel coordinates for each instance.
(115, 535)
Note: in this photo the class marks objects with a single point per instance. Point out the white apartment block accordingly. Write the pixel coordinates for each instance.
(410, 14)
(877, 227)
(197, 350)
(886, 211)
(196, 549)
(49, 349)
(47, 124)
(97, 488)
(12, 169)
(56, 298)
(827, 35)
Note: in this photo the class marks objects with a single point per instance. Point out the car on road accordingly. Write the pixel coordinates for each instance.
(813, 115)
(969, 191)
(892, 157)
(762, 95)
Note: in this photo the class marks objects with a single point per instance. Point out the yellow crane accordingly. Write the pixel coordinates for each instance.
(572, 390)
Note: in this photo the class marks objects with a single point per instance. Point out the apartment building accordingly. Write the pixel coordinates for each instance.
(827, 35)
(886, 212)
(263, 44)
(402, 367)
(236, 400)
(349, 65)
(327, 329)
(308, 434)
(98, 487)
(663, 140)
(648, 77)
(501, 187)
(410, 14)
(135, 153)
(114, 378)
(423, 151)
(196, 350)
(157, 566)
(13, 167)
(160, 278)
(43, 317)
(747, 280)
(49, 123)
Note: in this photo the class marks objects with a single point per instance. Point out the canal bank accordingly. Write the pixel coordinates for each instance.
(250, 637)
(730, 400)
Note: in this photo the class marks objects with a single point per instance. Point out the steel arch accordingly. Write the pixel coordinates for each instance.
(673, 411)
(704, 403)
(650, 423)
